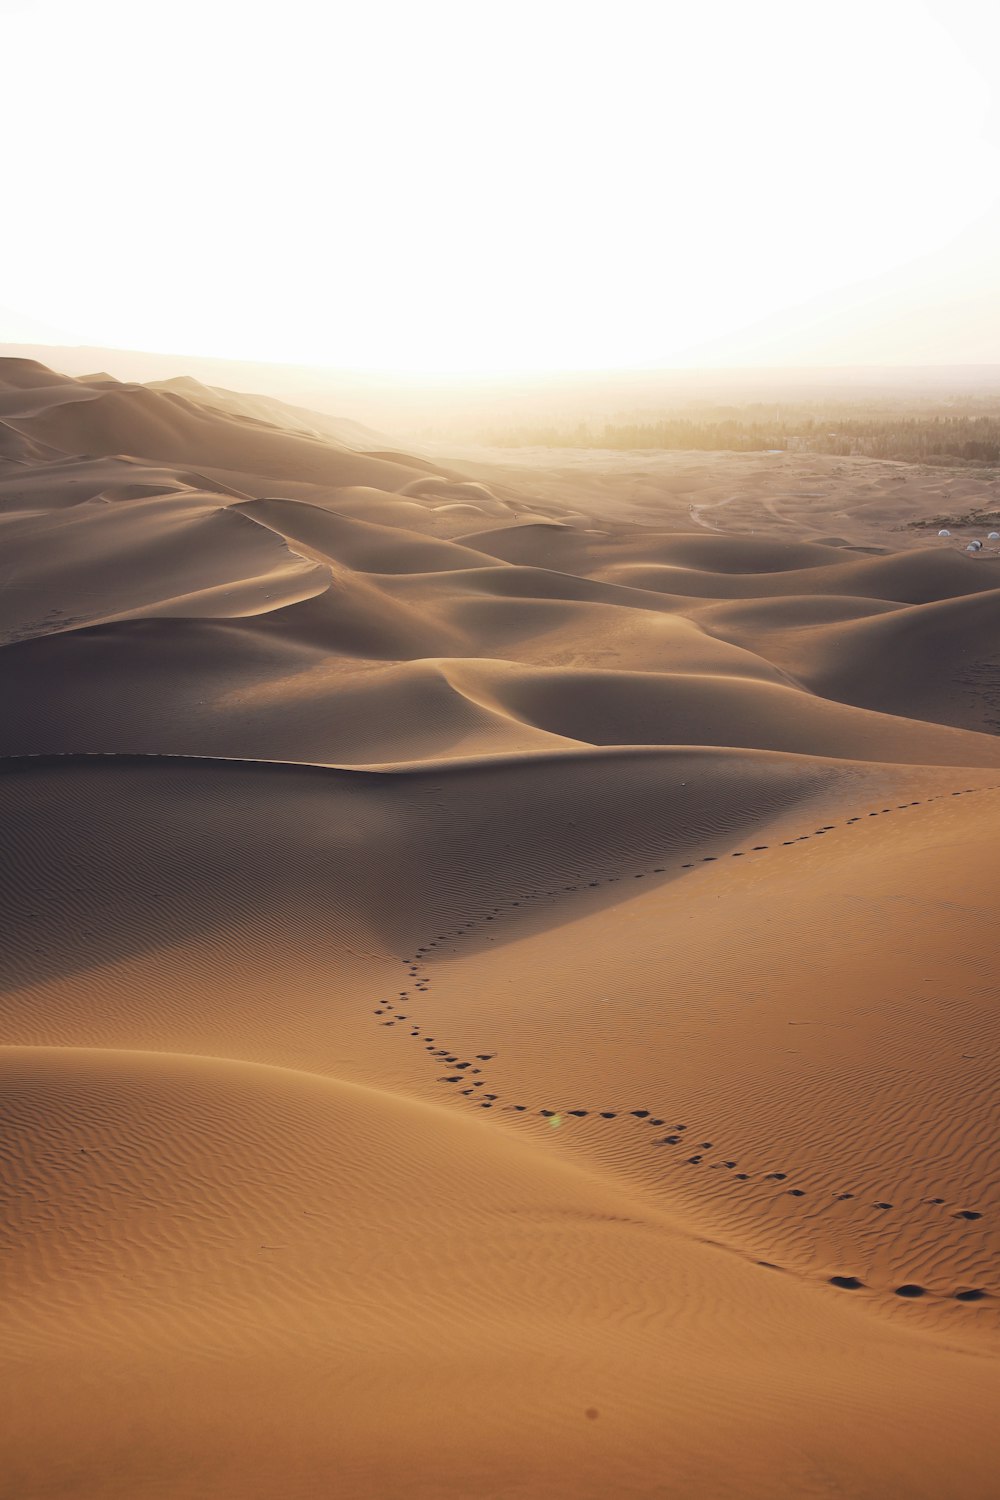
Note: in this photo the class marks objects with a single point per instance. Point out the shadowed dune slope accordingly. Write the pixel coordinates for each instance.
(939, 661)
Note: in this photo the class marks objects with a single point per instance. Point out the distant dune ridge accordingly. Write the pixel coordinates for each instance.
(498, 967)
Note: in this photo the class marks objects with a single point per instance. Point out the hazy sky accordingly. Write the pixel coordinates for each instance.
(494, 186)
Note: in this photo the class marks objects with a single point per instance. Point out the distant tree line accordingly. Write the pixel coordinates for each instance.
(923, 437)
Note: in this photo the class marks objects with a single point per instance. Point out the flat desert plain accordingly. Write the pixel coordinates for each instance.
(499, 967)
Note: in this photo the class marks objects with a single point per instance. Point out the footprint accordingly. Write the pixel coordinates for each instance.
(882, 1205)
(776, 1177)
(796, 1192)
(608, 1114)
(972, 1294)
(848, 1283)
(910, 1289)
(579, 1113)
(641, 1114)
(693, 1161)
(967, 1213)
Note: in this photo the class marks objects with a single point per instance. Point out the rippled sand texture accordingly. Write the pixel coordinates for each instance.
(498, 989)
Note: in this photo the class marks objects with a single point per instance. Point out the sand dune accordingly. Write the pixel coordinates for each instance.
(497, 980)
(630, 708)
(339, 430)
(365, 546)
(162, 425)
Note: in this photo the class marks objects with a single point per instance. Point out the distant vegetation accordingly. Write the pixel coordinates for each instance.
(980, 519)
(942, 434)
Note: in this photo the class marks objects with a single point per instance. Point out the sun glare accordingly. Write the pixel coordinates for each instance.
(474, 186)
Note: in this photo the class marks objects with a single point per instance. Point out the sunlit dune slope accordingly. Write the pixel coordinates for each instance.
(331, 1251)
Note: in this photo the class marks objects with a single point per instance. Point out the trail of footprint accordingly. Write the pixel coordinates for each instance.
(465, 1068)
(909, 1290)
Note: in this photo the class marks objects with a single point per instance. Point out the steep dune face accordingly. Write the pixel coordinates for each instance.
(496, 996)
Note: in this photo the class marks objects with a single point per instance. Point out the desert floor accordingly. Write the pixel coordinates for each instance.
(651, 803)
